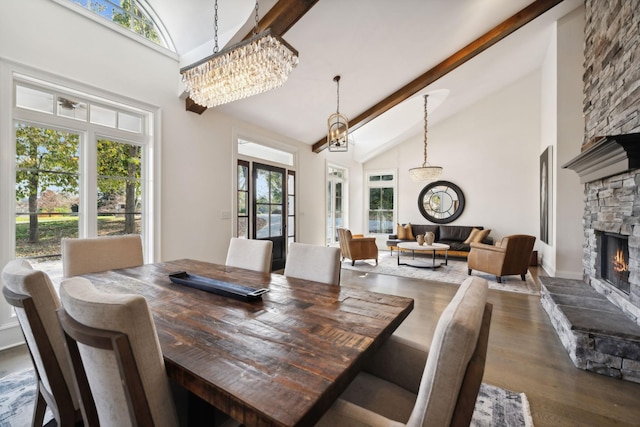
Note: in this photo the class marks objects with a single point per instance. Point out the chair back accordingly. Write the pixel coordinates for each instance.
(116, 357)
(35, 301)
(250, 254)
(518, 248)
(311, 262)
(81, 256)
(455, 364)
(344, 236)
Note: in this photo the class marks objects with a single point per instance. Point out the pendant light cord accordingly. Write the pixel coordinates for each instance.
(425, 131)
(337, 80)
(255, 29)
(215, 27)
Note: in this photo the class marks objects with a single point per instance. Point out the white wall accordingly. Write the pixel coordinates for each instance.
(569, 210)
(490, 151)
(562, 127)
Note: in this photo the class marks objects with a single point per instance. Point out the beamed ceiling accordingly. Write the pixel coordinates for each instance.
(388, 54)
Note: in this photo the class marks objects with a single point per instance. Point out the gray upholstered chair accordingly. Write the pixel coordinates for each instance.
(405, 384)
(35, 301)
(250, 254)
(311, 262)
(91, 255)
(116, 357)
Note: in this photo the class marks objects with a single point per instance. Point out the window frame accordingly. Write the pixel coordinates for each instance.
(168, 48)
(332, 180)
(368, 184)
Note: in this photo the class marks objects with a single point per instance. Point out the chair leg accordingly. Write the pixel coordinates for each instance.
(40, 408)
(498, 279)
(376, 261)
(353, 262)
(469, 271)
(523, 277)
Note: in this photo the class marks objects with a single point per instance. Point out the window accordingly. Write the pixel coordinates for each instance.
(80, 170)
(336, 202)
(291, 206)
(134, 15)
(243, 199)
(381, 193)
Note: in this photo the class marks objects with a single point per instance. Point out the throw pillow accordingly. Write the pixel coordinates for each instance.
(405, 233)
(472, 236)
(482, 234)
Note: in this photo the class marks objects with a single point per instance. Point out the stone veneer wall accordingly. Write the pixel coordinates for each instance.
(612, 107)
(612, 67)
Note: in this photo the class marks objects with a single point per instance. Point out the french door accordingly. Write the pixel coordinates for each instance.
(270, 209)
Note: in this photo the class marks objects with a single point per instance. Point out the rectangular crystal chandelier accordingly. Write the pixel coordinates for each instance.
(248, 68)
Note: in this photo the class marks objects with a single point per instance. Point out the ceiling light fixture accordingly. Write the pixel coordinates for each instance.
(426, 172)
(258, 64)
(338, 126)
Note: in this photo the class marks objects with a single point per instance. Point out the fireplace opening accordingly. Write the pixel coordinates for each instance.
(614, 258)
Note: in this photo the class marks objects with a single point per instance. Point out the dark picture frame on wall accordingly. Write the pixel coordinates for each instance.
(545, 194)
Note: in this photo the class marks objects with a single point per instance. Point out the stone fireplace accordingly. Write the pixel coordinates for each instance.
(598, 318)
(609, 170)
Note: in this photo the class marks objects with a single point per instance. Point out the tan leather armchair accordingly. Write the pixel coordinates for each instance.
(357, 248)
(510, 256)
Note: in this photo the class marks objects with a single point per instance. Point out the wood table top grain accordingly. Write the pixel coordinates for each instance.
(282, 360)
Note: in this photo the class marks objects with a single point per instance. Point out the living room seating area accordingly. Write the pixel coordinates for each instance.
(458, 237)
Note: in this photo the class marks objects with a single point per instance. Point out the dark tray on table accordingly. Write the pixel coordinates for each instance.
(217, 286)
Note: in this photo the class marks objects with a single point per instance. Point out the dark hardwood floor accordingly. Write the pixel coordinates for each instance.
(524, 355)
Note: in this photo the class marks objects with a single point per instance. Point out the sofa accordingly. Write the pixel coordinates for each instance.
(456, 236)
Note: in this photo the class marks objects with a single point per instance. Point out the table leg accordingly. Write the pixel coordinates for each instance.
(446, 257)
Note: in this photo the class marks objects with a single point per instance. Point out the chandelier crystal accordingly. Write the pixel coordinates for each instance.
(256, 65)
(426, 172)
(338, 126)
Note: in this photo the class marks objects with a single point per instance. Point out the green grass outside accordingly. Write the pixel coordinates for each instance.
(52, 230)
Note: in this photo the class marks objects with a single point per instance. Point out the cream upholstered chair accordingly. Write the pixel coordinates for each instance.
(116, 357)
(405, 384)
(81, 256)
(311, 262)
(509, 256)
(35, 301)
(356, 247)
(250, 254)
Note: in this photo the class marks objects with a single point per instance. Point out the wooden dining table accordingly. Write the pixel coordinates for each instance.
(280, 360)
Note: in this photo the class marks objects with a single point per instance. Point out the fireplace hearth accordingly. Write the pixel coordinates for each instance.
(614, 260)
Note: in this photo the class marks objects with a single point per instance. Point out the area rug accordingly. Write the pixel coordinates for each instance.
(454, 272)
(17, 399)
(495, 406)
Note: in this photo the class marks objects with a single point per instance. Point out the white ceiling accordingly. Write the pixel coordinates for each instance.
(376, 46)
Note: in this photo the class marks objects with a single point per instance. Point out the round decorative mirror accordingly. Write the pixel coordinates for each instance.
(441, 202)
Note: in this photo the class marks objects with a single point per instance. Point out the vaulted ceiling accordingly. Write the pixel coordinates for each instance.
(384, 51)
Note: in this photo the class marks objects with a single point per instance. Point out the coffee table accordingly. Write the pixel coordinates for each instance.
(415, 247)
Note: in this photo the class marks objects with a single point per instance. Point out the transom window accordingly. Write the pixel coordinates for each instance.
(134, 15)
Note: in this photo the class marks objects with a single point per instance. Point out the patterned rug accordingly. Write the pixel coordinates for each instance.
(454, 272)
(495, 406)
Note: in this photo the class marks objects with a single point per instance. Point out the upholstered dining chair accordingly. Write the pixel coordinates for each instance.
(406, 384)
(91, 255)
(356, 247)
(250, 254)
(509, 256)
(35, 302)
(116, 357)
(311, 262)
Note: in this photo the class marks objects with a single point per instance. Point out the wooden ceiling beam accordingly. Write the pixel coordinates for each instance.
(280, 18)
(479, 45)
